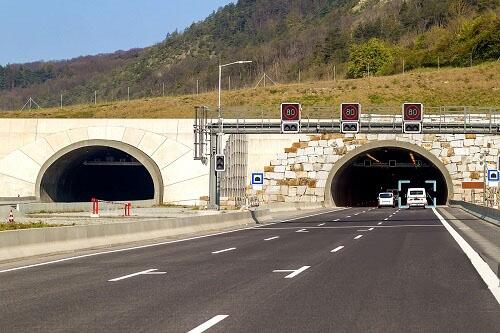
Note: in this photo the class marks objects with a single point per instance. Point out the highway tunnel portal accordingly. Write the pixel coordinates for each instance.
(357, 178)
(102, 169)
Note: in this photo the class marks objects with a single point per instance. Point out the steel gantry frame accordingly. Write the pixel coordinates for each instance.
(211, 130)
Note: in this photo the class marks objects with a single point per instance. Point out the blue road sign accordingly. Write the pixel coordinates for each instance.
(493, 176)
(257, 178)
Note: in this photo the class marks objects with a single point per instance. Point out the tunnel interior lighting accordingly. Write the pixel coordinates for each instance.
(413, 159)
(372, 158)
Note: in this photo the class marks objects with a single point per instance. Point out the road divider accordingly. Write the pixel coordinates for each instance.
(31, 242)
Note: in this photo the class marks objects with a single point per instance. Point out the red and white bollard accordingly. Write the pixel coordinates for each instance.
(11, 217)
(127, 208)
(95, 208)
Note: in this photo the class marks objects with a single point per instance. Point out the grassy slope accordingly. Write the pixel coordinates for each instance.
(476, 86)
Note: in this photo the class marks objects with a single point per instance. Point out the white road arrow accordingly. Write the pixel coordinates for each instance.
(294, 272)
(146, 272)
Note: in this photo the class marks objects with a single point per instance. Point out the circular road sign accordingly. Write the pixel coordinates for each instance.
(290, 112)
(350, 111)
(412, 112)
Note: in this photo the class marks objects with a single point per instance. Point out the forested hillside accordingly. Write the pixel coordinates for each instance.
(287, 39)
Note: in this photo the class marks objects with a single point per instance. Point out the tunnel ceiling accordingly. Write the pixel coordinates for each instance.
(358, 182)
(97, 171)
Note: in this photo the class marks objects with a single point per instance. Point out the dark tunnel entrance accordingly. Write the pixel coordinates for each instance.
(359, 181)
(102, 172)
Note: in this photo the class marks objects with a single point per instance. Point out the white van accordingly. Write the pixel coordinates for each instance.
(416, 197)
(386, 199)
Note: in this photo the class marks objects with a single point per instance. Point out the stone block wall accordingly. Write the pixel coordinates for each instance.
(300, 173)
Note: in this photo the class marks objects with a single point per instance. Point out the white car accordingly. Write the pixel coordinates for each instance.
(416, 197)
(386, 199)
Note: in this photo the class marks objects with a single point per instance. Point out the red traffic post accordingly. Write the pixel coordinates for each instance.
(95, 208)
(127, 208)
(11, 217)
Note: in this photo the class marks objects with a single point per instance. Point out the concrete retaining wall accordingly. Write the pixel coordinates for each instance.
(488, 214)
(25, 243)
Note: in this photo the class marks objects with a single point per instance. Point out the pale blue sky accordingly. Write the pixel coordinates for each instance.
(33, 30)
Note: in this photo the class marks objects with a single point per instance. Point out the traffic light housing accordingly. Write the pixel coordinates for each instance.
(349, 127)
(412, 127)
(220, 163)
(290, 127)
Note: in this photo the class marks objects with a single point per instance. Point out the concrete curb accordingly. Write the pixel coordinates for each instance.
(485, 213)
(31, 242)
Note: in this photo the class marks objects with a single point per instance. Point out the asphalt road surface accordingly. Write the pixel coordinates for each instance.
(353, 270)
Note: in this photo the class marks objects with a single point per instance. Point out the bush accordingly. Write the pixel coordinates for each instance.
(372, 57)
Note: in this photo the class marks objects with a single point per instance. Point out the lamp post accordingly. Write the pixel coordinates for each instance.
(216, 147)
(220, 81)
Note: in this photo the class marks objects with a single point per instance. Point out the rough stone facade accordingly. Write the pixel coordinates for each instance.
(301, 172)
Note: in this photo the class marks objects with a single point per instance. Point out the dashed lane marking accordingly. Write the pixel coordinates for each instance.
(294, 272)
(337, 249)
(271, 238)
(356, 227)
(386, 219)
(358, 236)
(348, 216)
(225, 250)
(146, 272)
(209, 323)
(321, 224)
(371, 229)
(336, 220)
(380, 223)
(302, 230)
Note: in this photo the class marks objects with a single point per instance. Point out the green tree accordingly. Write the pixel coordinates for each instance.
(372, 57)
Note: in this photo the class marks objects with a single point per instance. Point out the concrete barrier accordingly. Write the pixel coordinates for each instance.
(491, 215)
(31, 242)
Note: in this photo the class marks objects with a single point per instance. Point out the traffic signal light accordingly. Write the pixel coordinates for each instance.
(291, 127)
(220, 163)
(412, 127)
(350, 127)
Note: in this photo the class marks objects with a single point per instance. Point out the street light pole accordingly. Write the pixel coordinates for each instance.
(214, 194)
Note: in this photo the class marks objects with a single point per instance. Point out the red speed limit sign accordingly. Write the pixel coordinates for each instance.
(350, 111)
(290, 112)
(413, 112)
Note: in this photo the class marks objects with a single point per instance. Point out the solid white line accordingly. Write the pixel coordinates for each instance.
(321, 224)
(338, 248)
(149, 271)
(297, 272)
(371, 229)
(225, 250)
(358, 236)
(155, 244)
(488, 276)
(271, 238)
(206, 325)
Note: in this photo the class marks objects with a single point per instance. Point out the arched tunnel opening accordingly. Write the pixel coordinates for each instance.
(359, 181)
(100, 172)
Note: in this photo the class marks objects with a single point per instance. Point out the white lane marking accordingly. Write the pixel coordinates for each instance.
(371, 229)
(321, 224)
(348, 216)
(337, 249)
(146, 272)
(362, 230)
(363, 211)
(486, 273)
(271, 238)
(225, 250)
(312, 215)
(356, 214)
(380, 223)
(302, 230)
(386, 219)
(206, 325)
(336, 220)
(358, 236)
(157, 244)
(358, 226)
(294, 272)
